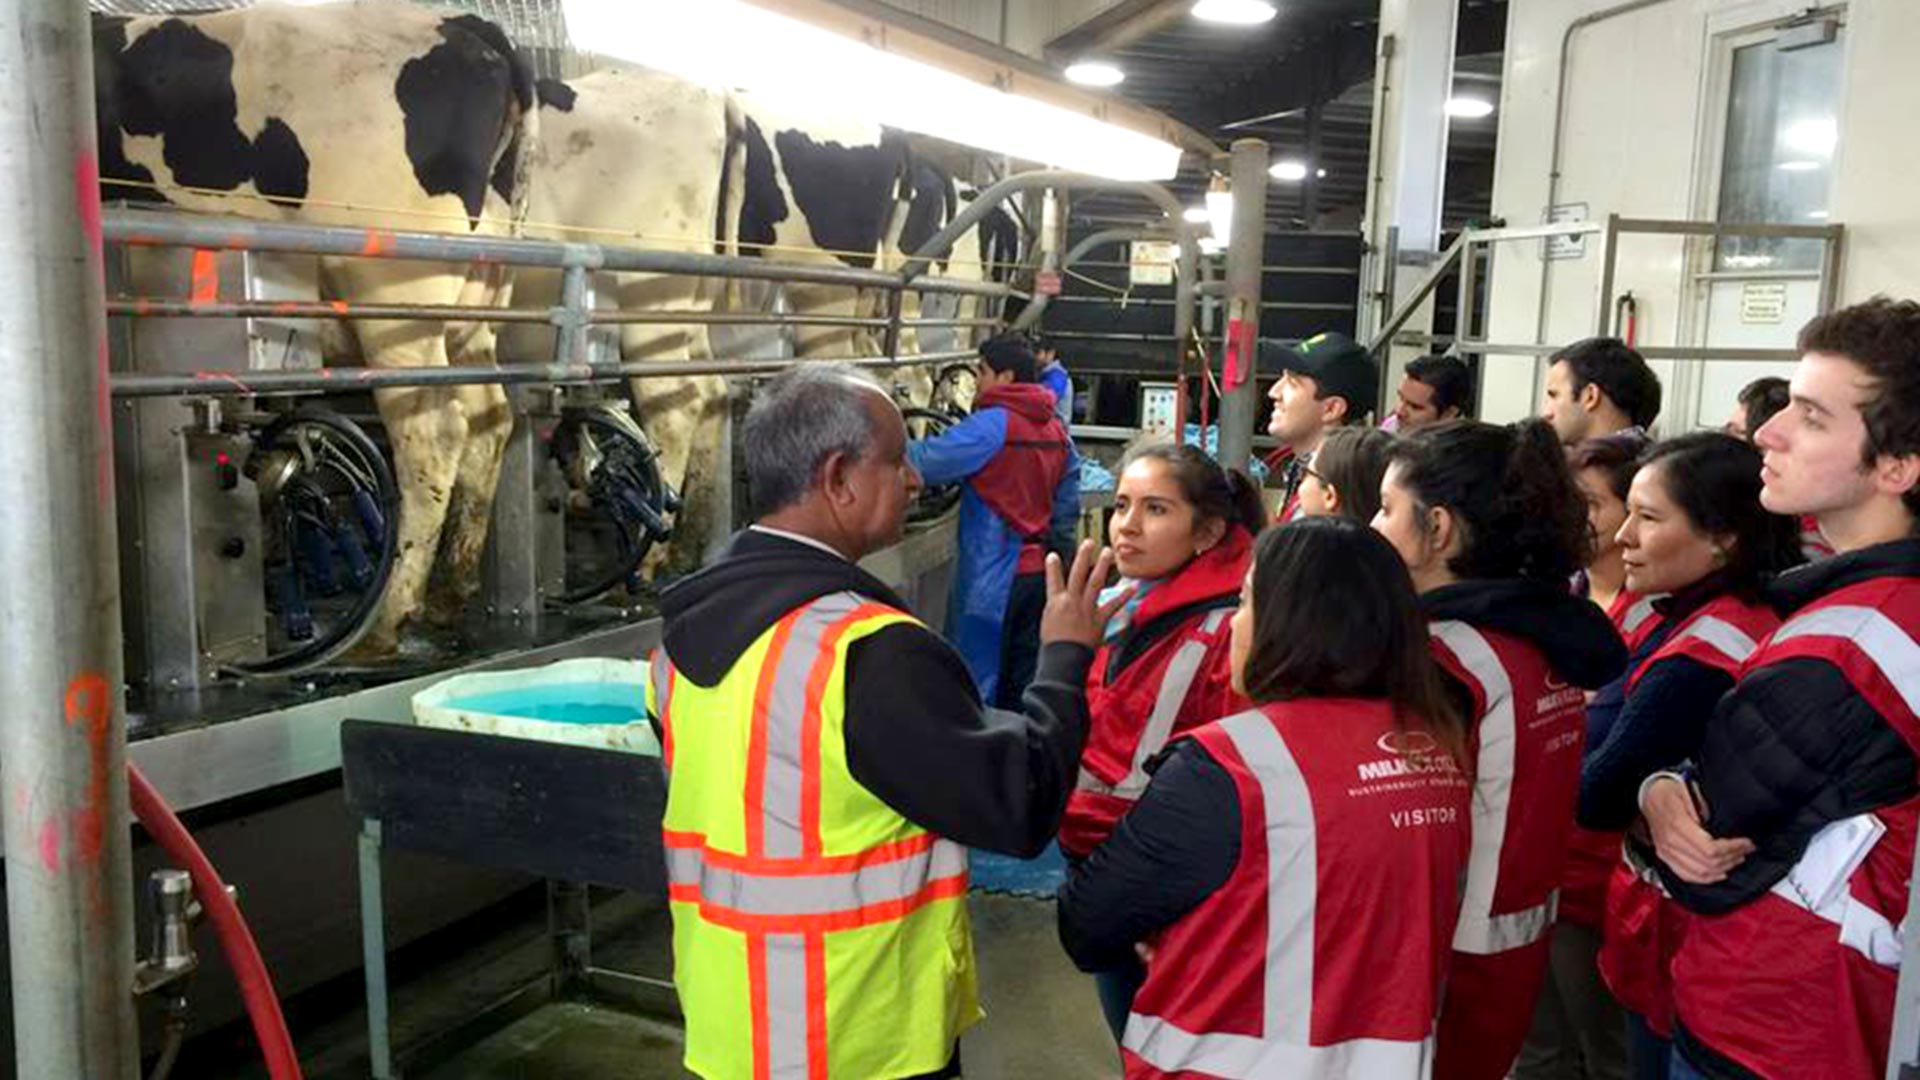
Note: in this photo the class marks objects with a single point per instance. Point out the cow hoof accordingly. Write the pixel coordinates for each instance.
(378, 645)
(444, 613)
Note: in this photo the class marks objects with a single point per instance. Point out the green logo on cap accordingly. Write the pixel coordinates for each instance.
(1308, 344)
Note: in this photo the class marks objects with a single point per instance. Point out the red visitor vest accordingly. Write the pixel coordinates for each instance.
(1800, 982)
(1323, 954)
(1526, 741)
(1180, 681)
(1644, 926)
(1019, 482)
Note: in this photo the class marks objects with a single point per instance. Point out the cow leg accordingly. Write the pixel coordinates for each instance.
(681, 415)
(825, 342)
(426, 430)
(455, 580)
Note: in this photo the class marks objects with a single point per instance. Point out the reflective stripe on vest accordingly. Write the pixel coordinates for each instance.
(1480, 931)
(755, 862)
(1875, 635)
(1638, 614)
(1284, 1048)
(1174, 685)
(1725, 638)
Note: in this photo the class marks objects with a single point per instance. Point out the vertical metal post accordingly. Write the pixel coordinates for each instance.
(63, 744)
(1186, 270)
(896, 302)
(1246, 250)
(373, 950)
(570, 318)
(1830, 252)
(1609, 252)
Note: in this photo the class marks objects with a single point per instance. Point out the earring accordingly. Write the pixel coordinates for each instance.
(1719, 555)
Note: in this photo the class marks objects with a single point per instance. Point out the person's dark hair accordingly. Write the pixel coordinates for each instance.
(1621, 373)
(1353, 459)
(1715, 480)
(1617, 455)
(1011, 352)
(801, 417)
(1041, 343)
(1216, 493)
(1335, 615)
(1510, 492)
(1451, 380)
(1760, 399)
(1883, 337)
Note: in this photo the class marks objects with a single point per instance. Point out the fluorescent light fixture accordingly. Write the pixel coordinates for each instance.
(1220, 213)
(730, 44)
(1815, 138)
(1469, 108)
(1234, 12)
(1095, 73)
(1212, 246)
(1817, 215)
(1197, 215)
(1798, 166)
(1288, 170)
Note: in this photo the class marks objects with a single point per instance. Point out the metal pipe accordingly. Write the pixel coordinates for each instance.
(317, 380)
(1559, 138)
(152, 228)
(141, 307)
(1030, 315)
(1240, 402)
(1420, 292)
(63, 748)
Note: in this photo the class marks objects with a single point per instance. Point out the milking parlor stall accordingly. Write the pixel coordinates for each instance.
(369, 368)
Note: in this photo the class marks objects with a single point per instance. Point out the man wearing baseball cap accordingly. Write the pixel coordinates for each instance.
(1327, 381)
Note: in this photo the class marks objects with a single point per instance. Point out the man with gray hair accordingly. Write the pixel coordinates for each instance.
(831, 760)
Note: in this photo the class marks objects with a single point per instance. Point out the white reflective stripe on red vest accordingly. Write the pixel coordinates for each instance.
(1897, 656)
(1284, 1047)
(1725, 638)
(1174, 685)
(1640, 612)
(1480, 931)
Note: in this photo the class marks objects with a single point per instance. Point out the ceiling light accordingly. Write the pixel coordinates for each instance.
(1320, 174)
(1196, 215)
(1798, 166)
(1815, 137)
(1094, 73)
(1234, 12)
(1288, 170)
(1210, 246)
(730, 44)
(1469, 108)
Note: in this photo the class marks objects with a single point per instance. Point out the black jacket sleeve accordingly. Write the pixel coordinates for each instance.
(918, 737)
(1659, 726)
(1791, 749)
(1171, 851)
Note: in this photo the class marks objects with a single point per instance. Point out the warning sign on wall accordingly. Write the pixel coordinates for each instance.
(1150, 262)
(1763, 302)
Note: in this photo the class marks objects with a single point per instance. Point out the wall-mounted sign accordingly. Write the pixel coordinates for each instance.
(1150, 262)
(1567, 247)
(1763, 302)
(1157, 401)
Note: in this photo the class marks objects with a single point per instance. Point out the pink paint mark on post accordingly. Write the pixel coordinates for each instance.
(49, 844)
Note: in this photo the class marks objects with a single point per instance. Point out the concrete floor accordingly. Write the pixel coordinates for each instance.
(1042, 1017)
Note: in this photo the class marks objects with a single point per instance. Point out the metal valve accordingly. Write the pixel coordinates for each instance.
(170, 955)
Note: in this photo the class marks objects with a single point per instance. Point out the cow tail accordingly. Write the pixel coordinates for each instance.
(525, 141)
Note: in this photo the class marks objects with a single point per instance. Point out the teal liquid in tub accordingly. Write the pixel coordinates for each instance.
(562, 703)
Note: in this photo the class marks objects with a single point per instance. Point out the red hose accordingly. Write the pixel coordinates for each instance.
(256, 986)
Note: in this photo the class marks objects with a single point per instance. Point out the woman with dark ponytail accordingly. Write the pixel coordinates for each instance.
(1182, 536)
(1491, 526)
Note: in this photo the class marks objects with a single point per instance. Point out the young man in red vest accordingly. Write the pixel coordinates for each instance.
(1020, 496)
(1792, 837)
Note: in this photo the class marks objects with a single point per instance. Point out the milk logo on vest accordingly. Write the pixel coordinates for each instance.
(1409, 753)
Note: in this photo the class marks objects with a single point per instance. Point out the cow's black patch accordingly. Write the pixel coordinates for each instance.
(556, 95)
(496, 39)
(762, 205)
(279, 162)
(930, 205)
(505, 168)
(175, 82)
(457, 101)
(999, 244)
(845, 193)
(109, 40)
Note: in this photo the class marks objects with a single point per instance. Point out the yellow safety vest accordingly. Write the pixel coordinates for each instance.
(816, 933)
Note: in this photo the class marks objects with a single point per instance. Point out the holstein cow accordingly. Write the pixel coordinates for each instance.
(371, 115)
(644, 158)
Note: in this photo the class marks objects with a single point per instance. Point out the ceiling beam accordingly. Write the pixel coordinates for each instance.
(1124, 22)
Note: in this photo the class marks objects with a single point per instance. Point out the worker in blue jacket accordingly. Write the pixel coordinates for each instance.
(1020, 499)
